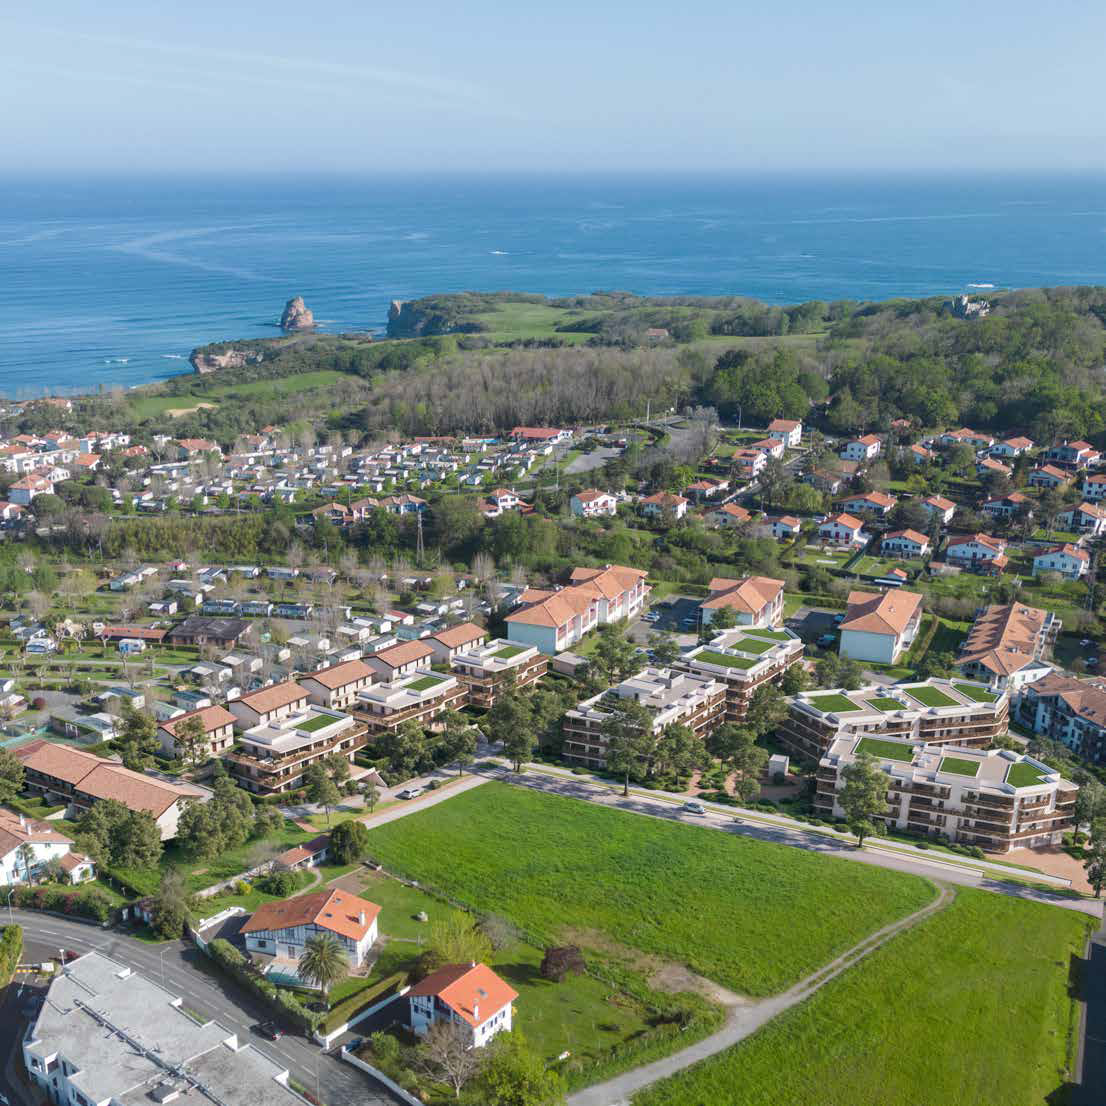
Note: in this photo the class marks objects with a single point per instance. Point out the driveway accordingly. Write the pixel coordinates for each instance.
(597, 458)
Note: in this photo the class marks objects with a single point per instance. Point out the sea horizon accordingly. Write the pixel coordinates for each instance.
(111, 280)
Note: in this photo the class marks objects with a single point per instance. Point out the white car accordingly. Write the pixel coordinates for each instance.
(693, 807)
(410, 793)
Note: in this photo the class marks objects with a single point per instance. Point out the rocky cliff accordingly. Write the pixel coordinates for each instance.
(208, 360)
(297, 315)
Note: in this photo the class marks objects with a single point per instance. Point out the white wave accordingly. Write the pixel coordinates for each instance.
(173, 356)
(979, 284)
(499, 253)
(116, 360)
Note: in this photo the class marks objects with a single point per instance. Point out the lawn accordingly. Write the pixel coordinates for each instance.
(424, 682)
(316, 722)
(1023, 775)
(567, 870)
(751, 645)
(709, 656)
(888, 750)
(773, 635)
(884, 702)
(930, 696)
(958, 766)
(508, 651)
(971, 1006)
(975, 693)
(830, 704)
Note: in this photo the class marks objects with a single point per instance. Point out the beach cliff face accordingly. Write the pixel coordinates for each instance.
(297, 315)
(209, 361)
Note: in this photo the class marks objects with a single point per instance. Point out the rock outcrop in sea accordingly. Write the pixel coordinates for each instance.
(297, 315)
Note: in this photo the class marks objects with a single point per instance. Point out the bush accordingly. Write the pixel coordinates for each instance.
(38, 702)
(242, 888)
(277, 883)
(578, 771)
(235, 964)
(11, 949)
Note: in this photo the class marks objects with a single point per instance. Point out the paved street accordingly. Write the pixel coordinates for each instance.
(185, 971)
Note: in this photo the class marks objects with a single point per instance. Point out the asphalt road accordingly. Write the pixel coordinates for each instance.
(185, 971)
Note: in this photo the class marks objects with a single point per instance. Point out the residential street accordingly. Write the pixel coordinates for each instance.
(185, 971)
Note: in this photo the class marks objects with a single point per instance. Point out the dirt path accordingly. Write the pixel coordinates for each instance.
(746, 1018)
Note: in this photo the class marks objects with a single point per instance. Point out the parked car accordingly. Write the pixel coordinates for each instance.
(410, 793)
(826, 640)
(692, 807)
(269, 1030)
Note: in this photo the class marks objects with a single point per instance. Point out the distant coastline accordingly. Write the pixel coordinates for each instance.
(111, 283)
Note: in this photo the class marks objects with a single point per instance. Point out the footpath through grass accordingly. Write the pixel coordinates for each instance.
(751, 915)
(969, 1007)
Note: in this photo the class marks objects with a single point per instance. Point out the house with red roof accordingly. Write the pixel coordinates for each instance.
(980, 552)
(280, 929)
(1067, 559)
(842, 529)
(592, 503)
(1087, 518)
(755, 600)
(789, 431)
(904, 543)
(470, 996)
(879, 503)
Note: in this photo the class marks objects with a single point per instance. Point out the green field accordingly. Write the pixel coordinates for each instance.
(510, 321)
(146, 406)
(969, 1008)
(750, 915)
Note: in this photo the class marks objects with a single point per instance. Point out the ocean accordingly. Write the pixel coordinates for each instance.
(109, 283)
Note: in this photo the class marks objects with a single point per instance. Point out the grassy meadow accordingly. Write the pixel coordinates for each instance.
(969, 1007)
(750, 915)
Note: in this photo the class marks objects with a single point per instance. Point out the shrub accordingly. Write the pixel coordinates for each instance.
(11, 949)
(278, 883)
(38, 702)
(578, 771)
(560, 962)
(242, 888)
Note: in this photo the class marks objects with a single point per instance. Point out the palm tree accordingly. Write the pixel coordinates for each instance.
(323, 962)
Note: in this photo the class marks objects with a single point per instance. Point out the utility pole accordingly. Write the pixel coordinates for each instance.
(419, 548)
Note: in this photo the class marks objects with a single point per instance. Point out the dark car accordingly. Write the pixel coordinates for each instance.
(269, 1030)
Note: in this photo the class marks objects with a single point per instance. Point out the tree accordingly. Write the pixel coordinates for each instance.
(614, 658)
(559, 962)
(349, 842)
(447, 1056)
(1094, 857)
(191, 740)
(337, 768)
(225, 822)
(458, 740)
(25, 856)
(372, 795)
(321, 789)
(724, 618)
(627, 732)
(515, 1075)
(678, 751)
(510, 722)
(323, 962)
(864, 796)
(454, 939)
(767, 708)
(11, 775)
(795, 680)
(405, 748)
(1090, 802)
(736, 746)
(666, 649)
(137, 737)
(170, 907)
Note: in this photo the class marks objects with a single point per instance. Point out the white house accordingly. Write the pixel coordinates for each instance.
(938, 505)
(977, 551)
(281, 928)
(1067, 559)
(470, 996)
(1094, 487)
(499, 501)
(1012, 447)
(988, 466)
(748, 463)
(592, 502)
(663, 504)
(789, 431)
(879, 627)
(1087, 518)
(1048, 476)
(842, 530)
(1005, 506)
(966, 436)
(24, 490)
(920, 455)
(267, 705)
(786, 526)
(755, 600)
(337, 685)
(729, 514)
(904, 543)
(877, 502)
(861, 449)
(28, 846)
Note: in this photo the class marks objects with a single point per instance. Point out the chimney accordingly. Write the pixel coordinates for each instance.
(476, 1012)
(361, 917)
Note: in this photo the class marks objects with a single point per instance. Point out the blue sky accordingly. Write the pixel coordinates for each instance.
(607, 85)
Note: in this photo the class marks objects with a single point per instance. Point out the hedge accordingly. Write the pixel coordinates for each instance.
(234, 963)
(87, 902)
(361, 1000)
(11, 950)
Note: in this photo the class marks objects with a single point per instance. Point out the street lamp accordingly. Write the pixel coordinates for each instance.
(11, 916)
